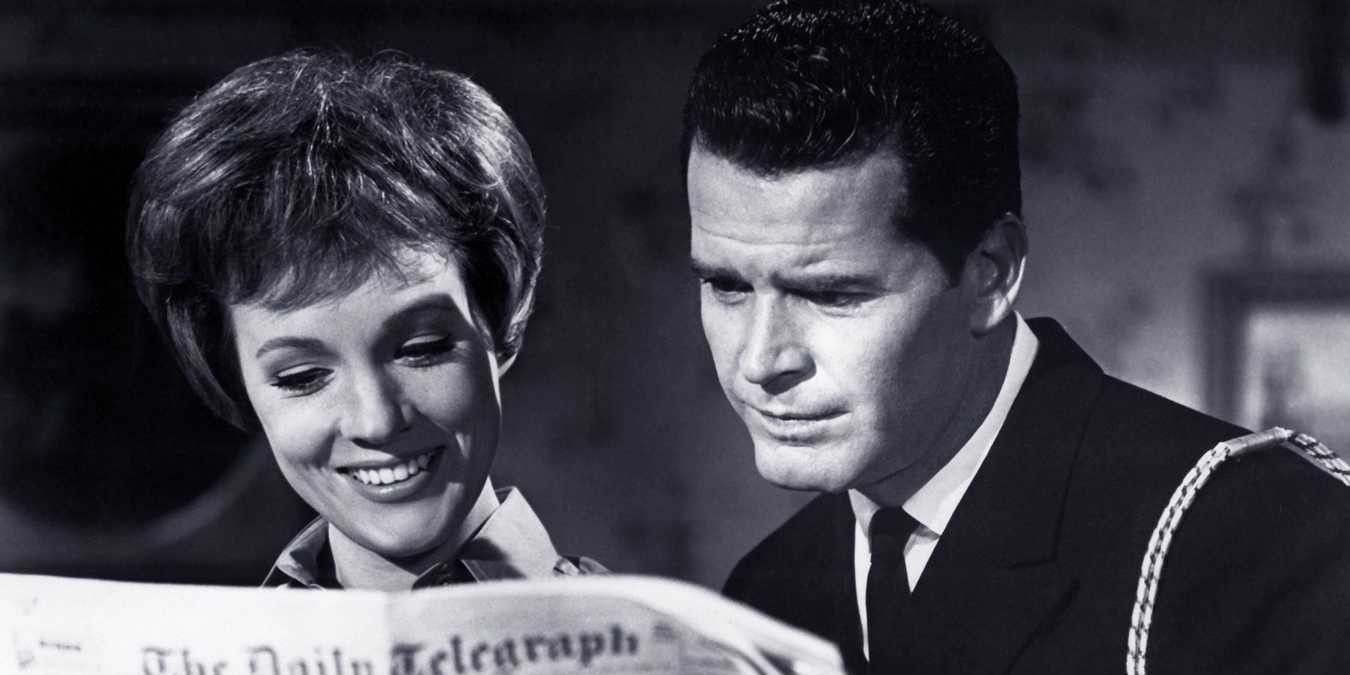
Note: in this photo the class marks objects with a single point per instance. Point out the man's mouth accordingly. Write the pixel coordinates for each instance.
(394, 472)
(793, 416)
(796, 427)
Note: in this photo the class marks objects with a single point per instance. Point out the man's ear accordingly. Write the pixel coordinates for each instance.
(993, 273)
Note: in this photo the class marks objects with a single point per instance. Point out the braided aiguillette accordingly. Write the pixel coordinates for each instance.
(1150, 573)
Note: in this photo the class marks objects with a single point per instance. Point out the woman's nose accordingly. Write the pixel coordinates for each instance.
(376, 411)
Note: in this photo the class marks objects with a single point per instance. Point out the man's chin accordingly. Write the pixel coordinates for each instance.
(796, 472)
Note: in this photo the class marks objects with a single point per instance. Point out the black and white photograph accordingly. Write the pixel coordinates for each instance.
(683, 336)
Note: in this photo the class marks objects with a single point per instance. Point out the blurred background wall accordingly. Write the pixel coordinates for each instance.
(1186, 168)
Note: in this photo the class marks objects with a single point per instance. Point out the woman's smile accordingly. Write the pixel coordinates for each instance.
(390, 473)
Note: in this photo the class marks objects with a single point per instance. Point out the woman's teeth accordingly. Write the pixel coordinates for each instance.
(393, 474)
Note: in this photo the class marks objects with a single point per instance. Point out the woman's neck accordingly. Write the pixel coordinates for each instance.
(360, 568)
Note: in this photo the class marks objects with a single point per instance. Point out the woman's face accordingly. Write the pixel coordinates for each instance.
(381, 405)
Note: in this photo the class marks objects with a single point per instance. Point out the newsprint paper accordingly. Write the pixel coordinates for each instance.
(592, 625)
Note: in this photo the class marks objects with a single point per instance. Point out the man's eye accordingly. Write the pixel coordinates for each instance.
(726, 288)
(425, 350)
(834, 299)
(306, 381)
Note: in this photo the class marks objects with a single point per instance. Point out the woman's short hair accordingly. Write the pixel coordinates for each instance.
(298, 177)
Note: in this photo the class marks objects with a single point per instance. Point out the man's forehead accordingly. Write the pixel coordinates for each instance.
(808, 239)
(805, 206)
(851, 167)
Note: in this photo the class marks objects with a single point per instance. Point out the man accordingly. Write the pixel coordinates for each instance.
(854, 191)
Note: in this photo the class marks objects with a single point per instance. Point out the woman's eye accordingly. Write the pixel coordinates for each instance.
(304, 381)
(425, 350)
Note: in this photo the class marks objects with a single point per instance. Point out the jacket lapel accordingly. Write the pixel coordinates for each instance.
(993, 583)
(843, 593)
(833, 611)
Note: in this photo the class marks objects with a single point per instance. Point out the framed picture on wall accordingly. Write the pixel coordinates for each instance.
(1278, 350)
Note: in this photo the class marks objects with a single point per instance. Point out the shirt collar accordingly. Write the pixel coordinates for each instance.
(933, 504)
(512, 543)
(299, 562)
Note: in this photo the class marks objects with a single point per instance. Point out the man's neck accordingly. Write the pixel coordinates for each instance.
(360, 568)
(991, 354)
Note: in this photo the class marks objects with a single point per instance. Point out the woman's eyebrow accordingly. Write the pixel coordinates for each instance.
(427, 304)
(435, 304)
(288, 341)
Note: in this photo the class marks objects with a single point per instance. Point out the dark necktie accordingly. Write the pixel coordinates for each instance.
(887, 588)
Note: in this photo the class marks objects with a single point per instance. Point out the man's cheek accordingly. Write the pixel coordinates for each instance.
(724, 358)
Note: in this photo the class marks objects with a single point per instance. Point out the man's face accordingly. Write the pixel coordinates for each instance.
(843, 346)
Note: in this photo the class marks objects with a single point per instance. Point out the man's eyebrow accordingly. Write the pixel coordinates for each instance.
(705, 271)
(831, 280)
(799, 279)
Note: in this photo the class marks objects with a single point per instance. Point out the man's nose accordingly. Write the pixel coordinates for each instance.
(774, 355)
(376, 410)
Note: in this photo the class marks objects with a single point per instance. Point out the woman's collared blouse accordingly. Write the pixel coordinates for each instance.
(512, 544)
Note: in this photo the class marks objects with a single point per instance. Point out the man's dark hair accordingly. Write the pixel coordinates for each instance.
(298, 177)
(809, 84)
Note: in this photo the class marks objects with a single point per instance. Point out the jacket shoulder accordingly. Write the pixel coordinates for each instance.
(1263, 552)
(1136, 446)
(1141, 438)
(1135, 415)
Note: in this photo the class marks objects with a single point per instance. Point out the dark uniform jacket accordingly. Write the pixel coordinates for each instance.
(1037, 570)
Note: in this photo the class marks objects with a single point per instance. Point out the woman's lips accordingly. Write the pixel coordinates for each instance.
(391, 473)
(396, 480)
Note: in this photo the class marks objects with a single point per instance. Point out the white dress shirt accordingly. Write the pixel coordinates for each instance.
(932, 504)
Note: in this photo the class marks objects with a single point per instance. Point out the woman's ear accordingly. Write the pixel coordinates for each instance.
(993, 273)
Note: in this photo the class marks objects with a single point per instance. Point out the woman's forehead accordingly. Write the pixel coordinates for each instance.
(324, 281)
(429, 284)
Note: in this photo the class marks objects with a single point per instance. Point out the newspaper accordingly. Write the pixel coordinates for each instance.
(600, 624)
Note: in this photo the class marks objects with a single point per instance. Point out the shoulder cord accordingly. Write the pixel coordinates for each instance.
(1151, 570)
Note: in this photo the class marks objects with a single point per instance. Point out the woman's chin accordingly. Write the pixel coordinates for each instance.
(408, 546)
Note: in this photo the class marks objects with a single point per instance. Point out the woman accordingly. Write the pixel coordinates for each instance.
(344, 255)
